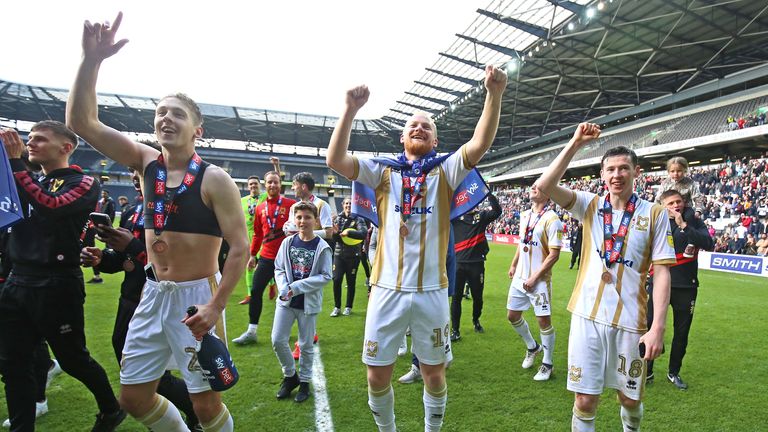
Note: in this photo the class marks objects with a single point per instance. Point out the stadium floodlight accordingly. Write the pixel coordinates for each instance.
(538, 48)
(590, 12)
(453, 107)
(600, 6)
(571, 26)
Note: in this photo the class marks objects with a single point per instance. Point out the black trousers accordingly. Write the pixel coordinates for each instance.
(473, 274)
(683, 301)
(344, 267)
(36, 308)
(366, 264)
(170, 387)
(576, 256)
(265, 271)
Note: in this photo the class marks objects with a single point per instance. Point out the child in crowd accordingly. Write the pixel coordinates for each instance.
(677, 168)
(302, 268)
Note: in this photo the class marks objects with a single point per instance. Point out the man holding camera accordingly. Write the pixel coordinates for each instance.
(44, 295)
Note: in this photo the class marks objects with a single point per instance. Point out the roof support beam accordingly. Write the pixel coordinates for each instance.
(430, 99)
(539, 32)
(446, 90)
(458, 78)
(502, 49)
(419, 107)
(464, 61)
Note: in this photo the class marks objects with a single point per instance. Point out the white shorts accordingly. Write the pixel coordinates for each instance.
(389, 315)
(520, 300)
(157, 339)
(602, 356)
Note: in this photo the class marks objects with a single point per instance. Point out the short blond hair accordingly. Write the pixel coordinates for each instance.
(426, 115)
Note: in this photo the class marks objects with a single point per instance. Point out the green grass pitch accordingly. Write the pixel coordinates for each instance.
(487, 388)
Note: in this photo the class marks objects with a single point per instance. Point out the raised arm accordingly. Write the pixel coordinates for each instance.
(82, 108)
(548, 182)
(337, 157)
(485, 131)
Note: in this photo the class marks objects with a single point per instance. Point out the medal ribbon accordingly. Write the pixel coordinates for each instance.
(528, 236)
(159, 218)
(138, 221)
(612, 247)
(270, 222)
(411, 194)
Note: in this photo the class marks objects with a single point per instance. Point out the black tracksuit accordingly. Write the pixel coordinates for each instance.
(43, 296)
(471, 248)
(346, 258)
(112, 261)
(685, 285)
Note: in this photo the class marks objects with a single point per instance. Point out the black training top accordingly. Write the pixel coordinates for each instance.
(188, 213)
(56, 208)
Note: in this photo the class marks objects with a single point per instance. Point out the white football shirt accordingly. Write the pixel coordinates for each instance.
(623, 302)
(547, 234)
(416, 262)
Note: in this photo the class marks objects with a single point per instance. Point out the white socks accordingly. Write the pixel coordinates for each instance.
(382, 403)
(582, 421)
(631, 418)
(548, 342)
(521, 327)
(252, 328)
(221, 423)
(163, 417)
(434, 408)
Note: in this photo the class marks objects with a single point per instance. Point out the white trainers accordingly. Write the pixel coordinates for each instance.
(530, 356)
(347, 311)
(403, 348)
(411, 377)
(335, 312)
(40, 409)
(245, 338)
(53, 372)
(544, 373)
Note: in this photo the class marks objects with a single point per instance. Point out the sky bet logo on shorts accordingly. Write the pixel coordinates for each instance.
(740, 263)
(416, 210)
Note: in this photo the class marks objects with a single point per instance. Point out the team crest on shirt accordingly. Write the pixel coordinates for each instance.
(574, 374)
(371, 348)
(56, 184)
(642, 222)
(670, 240)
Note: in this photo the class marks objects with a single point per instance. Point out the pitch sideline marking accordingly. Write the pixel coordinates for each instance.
(323, 419)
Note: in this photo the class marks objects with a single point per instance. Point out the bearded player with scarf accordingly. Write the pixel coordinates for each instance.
(413, 198)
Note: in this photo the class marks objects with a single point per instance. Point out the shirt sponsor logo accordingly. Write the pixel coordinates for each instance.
(742, 264)
(416, 210)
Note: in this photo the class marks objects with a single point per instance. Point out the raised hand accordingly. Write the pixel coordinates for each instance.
(495, 80)
(99, 39)
(14, 146)
(357, 97)
(585, 132)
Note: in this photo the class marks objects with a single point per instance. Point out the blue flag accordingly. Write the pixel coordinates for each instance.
(470, 193)
(10, 205)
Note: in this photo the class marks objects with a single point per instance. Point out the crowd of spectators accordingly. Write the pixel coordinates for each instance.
(745, 121)
(733, 203)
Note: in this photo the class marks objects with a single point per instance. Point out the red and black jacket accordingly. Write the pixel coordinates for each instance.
(469, 229)
(56, 208)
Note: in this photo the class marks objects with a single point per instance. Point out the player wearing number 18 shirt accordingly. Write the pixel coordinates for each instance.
(531, 273)
(623, 236)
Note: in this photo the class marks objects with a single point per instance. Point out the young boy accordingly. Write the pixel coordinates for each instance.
(302, 268)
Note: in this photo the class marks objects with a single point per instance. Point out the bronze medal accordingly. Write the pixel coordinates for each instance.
(403, 230)
(128, 265)
(159, 246)
(525, 248)
(607, 277)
